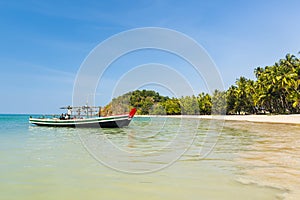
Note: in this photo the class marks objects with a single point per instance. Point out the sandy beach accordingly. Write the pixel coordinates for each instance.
(285, 119)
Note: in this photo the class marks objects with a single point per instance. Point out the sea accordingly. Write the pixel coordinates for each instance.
(152, 158)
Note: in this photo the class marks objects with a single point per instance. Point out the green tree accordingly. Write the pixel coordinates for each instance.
(144, 100)
(277, 86)
(244, 96)
(231, 100)
(157, 109)
(189, 105)
(172, 106)
(205, 104)
(218, 102)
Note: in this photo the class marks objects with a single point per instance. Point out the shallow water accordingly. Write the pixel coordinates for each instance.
(150, 159)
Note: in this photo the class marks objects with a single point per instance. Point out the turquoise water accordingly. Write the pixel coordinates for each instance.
(153, 158)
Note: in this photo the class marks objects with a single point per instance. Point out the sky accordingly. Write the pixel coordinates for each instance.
(44, 43)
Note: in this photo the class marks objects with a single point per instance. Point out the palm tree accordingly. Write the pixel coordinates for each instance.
(205, 104)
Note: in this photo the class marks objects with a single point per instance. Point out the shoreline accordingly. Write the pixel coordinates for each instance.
(278, 119)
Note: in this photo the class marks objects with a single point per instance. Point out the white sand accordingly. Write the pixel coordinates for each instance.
(286, 119)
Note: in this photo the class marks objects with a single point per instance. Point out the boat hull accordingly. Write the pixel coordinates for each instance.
(100, 122)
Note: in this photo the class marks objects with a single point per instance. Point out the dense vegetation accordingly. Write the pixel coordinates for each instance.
(275, 90)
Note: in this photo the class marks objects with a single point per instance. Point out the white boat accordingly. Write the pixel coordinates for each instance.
(114, 121)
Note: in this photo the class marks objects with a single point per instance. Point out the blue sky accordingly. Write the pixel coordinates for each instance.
(43, 43)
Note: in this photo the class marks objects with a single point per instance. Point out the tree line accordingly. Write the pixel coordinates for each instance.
(275, 90)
